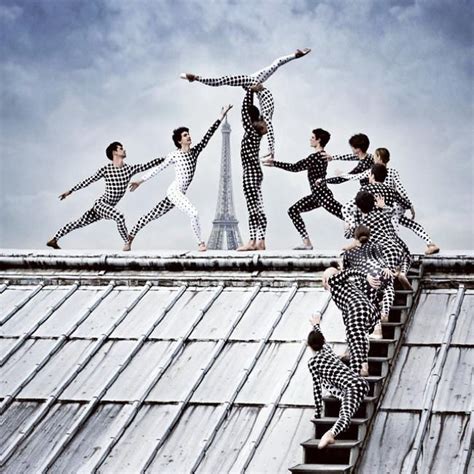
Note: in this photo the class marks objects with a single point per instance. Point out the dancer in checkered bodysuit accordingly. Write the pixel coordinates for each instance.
(359, 314)
(359, 144)
(254, 127)
(184, 160)
(254, 81)
(382, 156)
(117, 176)
(329, 372)
(321, 195)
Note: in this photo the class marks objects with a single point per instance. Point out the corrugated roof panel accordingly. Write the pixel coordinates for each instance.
(104, 363)
(53, 373)
(15, 419)
(294, 324)
(300, 390)
(464, 331)
(176, 382)
(390, 442)
(262, 313)
(221, 381)
(443, 444)
(22, 362)
(145, 313)
(138, 373)
(6, 345)
(232, 444)
(332, 325)
(138, 441)
(11, 297)
(68, 313)
(185, 443)
(219, 318)
(107, 313)
(267, 377)
(409, 378)
(83, 452)
(30, 455)
(455, 386)
(183, 313)
(25, 318)
(429, 325)
(280, 447)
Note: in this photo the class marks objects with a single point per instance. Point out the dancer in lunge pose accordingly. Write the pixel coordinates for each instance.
(117, 175)
(359, 314)
(368, 257)
(255, 127)
(185, 161)
(321, 196)
(254, 81)
(378, 218)
(359, 144)
(382, 156)
(329, 372)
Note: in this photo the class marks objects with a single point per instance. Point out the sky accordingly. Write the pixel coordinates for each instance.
(77, 75)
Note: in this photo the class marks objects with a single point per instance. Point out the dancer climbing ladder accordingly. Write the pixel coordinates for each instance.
(329, 372)
(185, 161)
(255, 81)
(117, 175)
(321, 196)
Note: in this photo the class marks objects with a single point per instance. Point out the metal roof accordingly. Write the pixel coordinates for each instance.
(175, 361)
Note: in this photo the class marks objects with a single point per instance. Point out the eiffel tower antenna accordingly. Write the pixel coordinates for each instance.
(225, 234)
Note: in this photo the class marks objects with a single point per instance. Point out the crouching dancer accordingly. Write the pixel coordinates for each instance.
(329, 372)
(117, 175)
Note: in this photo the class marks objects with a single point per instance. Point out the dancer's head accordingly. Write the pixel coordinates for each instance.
(362, 233)
(257, 119)
(382, 155)
(115, 148)
(181, 137)
(359, 142)
(365, 201)
(378, 173)
(320, 136)
(315, 340)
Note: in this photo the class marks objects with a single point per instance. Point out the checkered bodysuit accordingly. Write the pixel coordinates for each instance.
(321, 195)
(265, 97)
(185, 167)
(392, 198)
(329, 372)
(393, 181)
(394, 250)
(359, 313)
(116, 182)
(252, 173)
(364, 164)
(370, 260)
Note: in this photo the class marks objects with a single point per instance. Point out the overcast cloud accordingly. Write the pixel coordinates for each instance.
(77, 75)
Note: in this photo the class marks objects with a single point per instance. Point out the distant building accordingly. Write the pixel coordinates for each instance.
(225, 234)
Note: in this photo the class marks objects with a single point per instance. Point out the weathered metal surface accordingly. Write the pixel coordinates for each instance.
(464, 331)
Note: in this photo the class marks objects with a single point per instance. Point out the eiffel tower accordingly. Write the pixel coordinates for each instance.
(225, 234)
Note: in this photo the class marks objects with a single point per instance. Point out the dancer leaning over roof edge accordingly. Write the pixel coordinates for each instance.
(117, 176)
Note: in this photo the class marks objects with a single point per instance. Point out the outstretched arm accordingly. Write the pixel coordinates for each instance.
(139, 168)
(202, 144)
(300, 165)
(162, 165)
(95, 177)
(317, 392)
(399, 186)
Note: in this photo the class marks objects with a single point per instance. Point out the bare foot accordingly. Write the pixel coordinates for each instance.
(384, 317)
(326, 440)
(202, 247)
(432, 249)
(188, 76)
(53, 243)
(402, 278)
(377, 333)
(261, 244)
(251, 245)
(364, 370)
(128, 245)
(302, 52)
